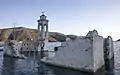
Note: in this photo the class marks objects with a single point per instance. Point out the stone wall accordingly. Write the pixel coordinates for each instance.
(84, 53)
(109, 54)
(77, 54)
(108, 48)
(29, 45)
(98, 55)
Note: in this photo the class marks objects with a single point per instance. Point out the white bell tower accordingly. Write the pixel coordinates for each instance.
(42, 32)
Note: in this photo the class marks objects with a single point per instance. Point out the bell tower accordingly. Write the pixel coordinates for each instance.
(42, 32)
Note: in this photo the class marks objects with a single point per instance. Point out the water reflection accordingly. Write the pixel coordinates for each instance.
(32, 66)
(8, 66)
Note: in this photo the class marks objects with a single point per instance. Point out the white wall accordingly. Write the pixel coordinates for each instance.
(84, 53)
(51, 45)
(7, 50)
(49, 48)
(75, 55)
(98, 54)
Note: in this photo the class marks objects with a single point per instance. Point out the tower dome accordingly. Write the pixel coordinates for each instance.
(43, 17)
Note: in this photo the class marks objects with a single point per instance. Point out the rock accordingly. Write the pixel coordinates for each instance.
(73, 37)
(58, 36)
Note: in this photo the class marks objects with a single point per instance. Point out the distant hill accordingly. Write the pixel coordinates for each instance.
(21, 33)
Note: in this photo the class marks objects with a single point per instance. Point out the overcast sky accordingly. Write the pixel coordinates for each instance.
(65, 16)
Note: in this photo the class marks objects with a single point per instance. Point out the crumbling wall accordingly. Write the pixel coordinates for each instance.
(98, 56)
(84, 53)
(108, 54)
(29, 45)
(97, 47)
(76, 54)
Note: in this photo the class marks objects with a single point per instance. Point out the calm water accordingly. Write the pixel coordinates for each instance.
(29, 66)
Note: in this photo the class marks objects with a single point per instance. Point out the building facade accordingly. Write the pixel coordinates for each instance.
(29, 45)
(84, 53)
(42, 32)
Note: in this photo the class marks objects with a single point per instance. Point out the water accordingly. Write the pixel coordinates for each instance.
(30, 66)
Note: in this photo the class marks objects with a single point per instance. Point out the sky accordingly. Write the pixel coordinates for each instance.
(66, 16)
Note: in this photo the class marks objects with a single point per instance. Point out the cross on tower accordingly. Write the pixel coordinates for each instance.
(43, 12)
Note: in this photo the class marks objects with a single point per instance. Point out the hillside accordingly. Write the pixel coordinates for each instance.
(21, 33)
